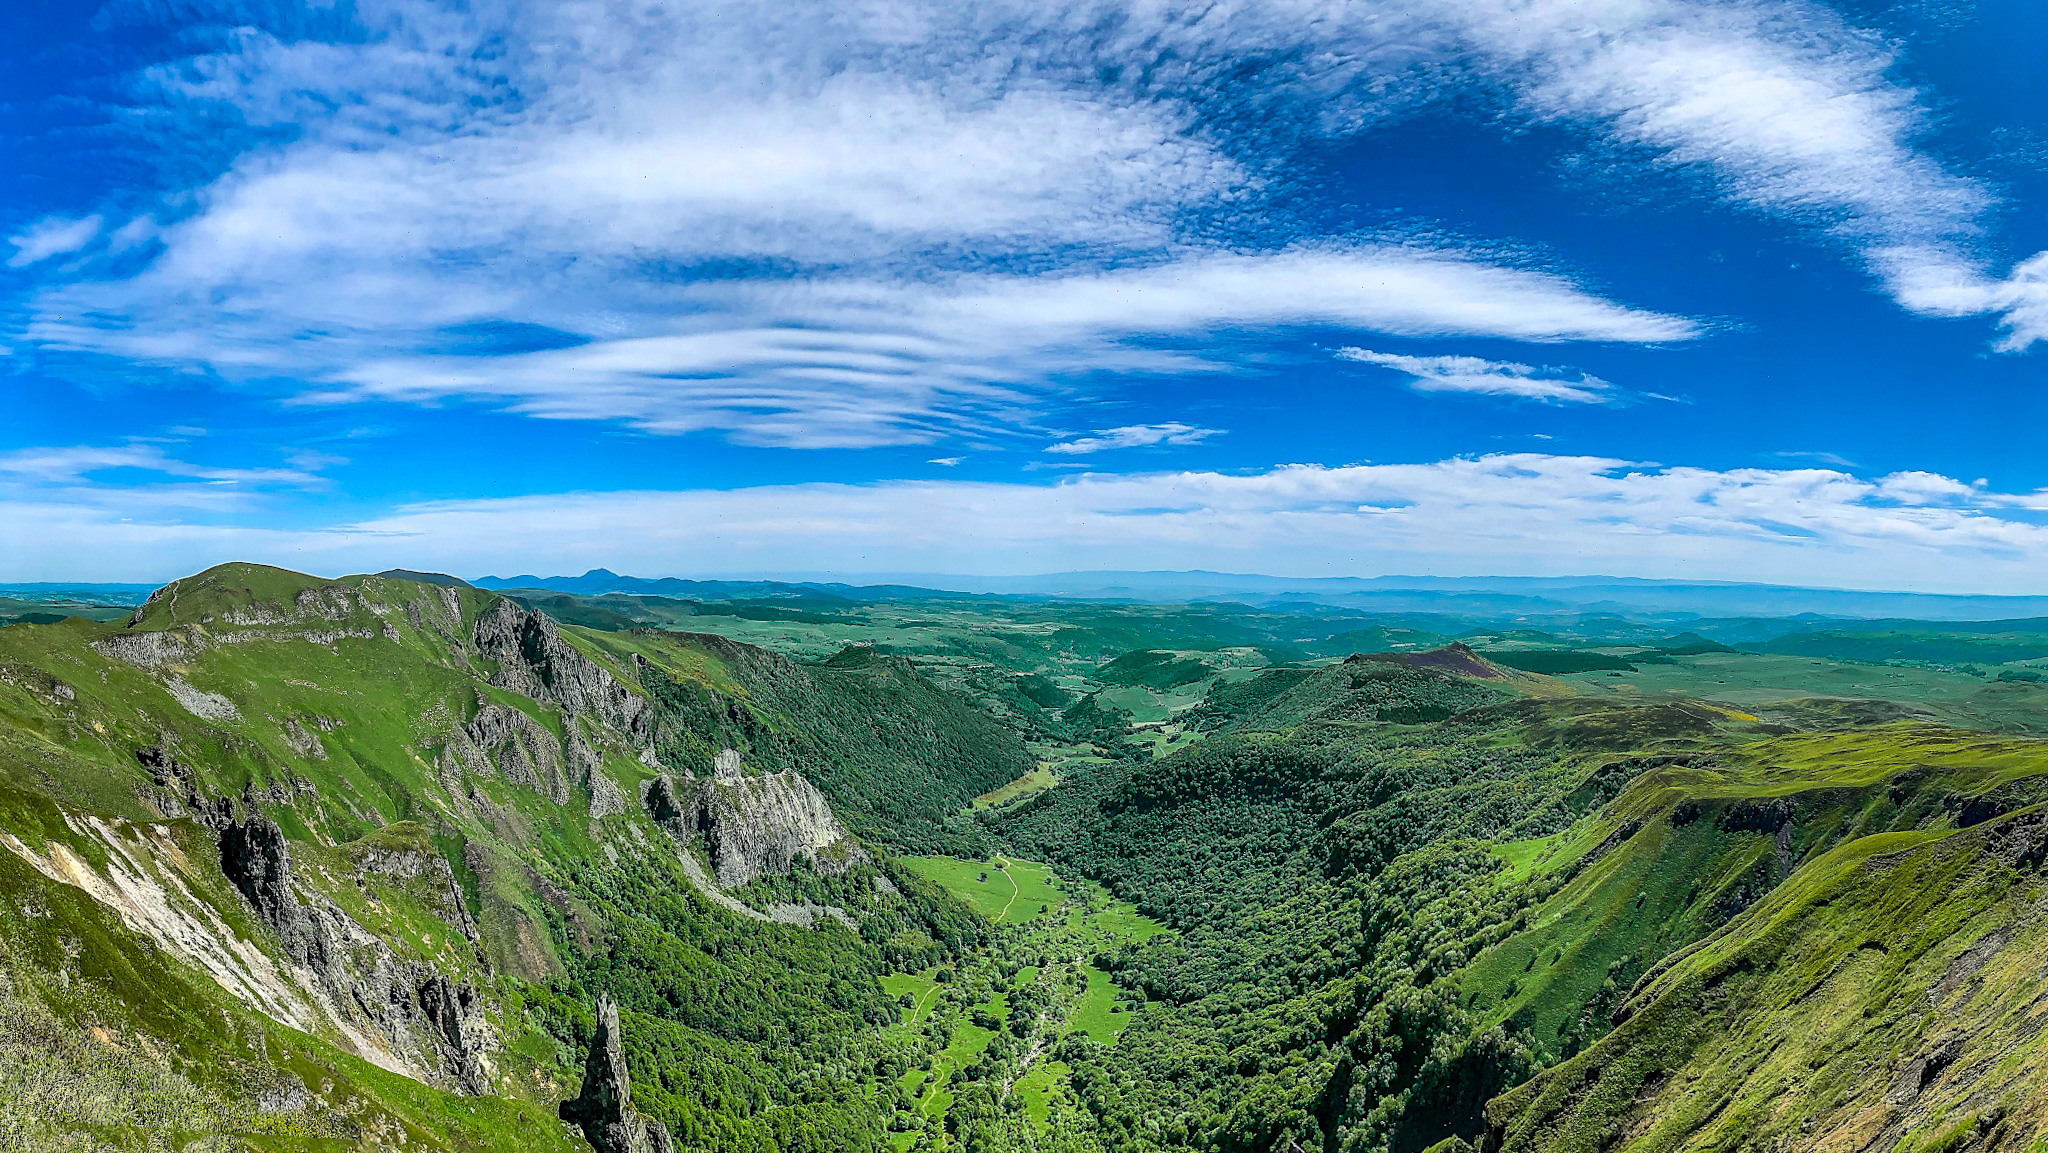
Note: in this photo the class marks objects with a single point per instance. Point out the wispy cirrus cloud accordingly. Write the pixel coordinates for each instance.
(1792, 111)
(1522, 513)
(77, 462)
(807, 224)
(1492, 377)
(817, 364)
(1171, 432)
(52, 236)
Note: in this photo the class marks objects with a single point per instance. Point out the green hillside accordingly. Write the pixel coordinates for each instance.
(353, 715)
(294, 863)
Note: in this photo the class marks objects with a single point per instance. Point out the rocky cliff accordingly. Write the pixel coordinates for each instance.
(404, 1015)
(534, 659)
(748, 826)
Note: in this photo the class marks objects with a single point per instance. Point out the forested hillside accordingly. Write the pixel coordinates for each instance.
(295, 863)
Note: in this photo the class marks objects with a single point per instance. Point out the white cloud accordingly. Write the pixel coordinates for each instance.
(1525, 513)
(1924, 488)
(1135, 436)
(828, 224)
(1490, 377)
(1784, 105)
(803, 224)
(78, 463)
(1792, 110)
(52, 236)
(1411, 290)
(818, 364)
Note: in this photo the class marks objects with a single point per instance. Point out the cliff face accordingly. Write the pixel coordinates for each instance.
(533, 659)
(402, 1014)
(522, 749)
(751, 826)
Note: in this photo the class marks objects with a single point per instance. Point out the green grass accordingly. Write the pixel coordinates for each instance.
(1082, 922)
(1754, 681)
(1768, 1028)
(922, 989)
(1142, 703)
(1037, 1088)
(1093, 1017)
(1036, 781)
(963, 879)
(967, 1042)
(1014, 892)
(1522, 856)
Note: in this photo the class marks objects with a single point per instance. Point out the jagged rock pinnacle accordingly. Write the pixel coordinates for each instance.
(605, 1109)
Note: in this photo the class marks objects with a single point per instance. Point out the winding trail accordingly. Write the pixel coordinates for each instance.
(1015, 891)
(924, 1005)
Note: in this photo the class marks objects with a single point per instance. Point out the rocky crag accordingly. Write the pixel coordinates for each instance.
(750, 826)
(604, 1110)
(535, 660)
(402, 1014)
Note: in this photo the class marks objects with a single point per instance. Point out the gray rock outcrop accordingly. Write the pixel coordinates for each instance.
(255, 857)
(604, 1110)
(524, 751)
(751, 826)
(533, 659)
(403, 1011)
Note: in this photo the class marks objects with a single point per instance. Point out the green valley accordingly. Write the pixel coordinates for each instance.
(391, 861)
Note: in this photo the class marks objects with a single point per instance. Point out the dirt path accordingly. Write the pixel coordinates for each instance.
(1015, 889)
(924, 1005)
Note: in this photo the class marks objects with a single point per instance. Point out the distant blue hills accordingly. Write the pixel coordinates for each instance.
(599, 581)
(1470, 597)
(1464, 596)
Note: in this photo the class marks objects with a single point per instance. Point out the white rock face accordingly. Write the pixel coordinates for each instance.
(751, 826)
(200, 703)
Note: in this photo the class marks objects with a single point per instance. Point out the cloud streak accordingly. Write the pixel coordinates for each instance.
(52, 236)
(78, 463)
(1134, 436)
(830, 364)
(1491, 378)
(1525, 513)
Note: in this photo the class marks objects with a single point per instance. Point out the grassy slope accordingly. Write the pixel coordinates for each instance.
(69, 721)
(1800, 1018)
(1757, 682)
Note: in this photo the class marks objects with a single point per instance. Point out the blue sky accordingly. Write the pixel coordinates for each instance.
(1647, 287)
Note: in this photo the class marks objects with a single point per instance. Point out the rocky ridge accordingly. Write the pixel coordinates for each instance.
(535, 660)
(424, 1023)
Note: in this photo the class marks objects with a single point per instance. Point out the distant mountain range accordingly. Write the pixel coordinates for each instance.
(1504, 597)
(599, 581)
(1534, 596)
